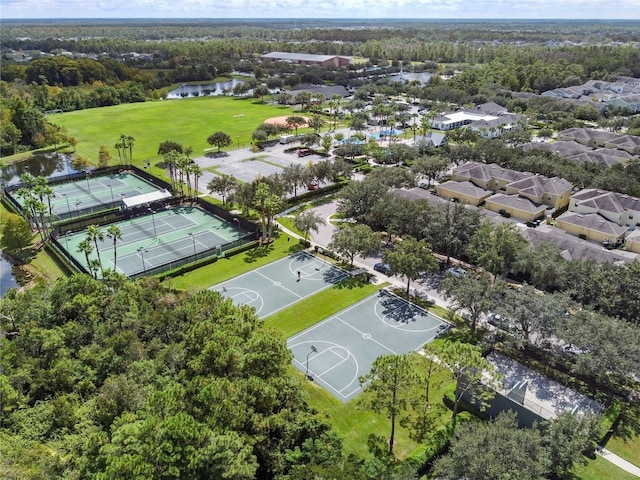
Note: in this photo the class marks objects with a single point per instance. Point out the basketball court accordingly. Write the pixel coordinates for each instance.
(282, 283)
(337, 351)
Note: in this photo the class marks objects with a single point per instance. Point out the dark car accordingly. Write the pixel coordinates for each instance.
(312, 186)
(303, 152)
(383, 268)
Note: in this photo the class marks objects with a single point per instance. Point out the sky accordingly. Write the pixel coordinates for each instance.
(411, 9)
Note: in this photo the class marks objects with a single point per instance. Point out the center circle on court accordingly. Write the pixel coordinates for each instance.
(245, 296)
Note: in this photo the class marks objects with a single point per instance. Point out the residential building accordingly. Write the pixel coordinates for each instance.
(554, 192)
(592, 226)
(464, 192)
(432, 140)
(515, 206)
(622, 210)
(488, 176)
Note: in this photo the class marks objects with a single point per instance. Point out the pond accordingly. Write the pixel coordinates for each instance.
(204, 89)
(48, 165)
(7, 278)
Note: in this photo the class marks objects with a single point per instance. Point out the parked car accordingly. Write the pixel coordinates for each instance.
(456, 272)
(572, 349)
(303, 152)
(502, 323)
(312, 186)
(383, 268)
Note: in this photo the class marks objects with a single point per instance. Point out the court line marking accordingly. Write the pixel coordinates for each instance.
(363, 333)
(279, 286)
(252, 272)
(322, 380)
(328, 319)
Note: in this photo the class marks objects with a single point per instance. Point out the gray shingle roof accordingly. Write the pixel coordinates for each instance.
(516, 201)
(575, 248)
(538, 185)
(465, 188)
(592, 221)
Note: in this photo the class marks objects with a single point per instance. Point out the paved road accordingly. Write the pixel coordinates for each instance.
(428, 285)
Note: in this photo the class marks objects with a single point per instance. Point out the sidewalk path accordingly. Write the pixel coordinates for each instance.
(618, 461)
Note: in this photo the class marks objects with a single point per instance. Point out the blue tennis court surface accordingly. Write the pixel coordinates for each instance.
(340, 349)
(282, 283)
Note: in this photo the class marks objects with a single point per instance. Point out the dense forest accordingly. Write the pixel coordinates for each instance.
(126, 380)
(59, 66)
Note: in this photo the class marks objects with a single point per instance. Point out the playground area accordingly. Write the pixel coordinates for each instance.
(91, 194)
(282, 283)
(337, 351)
(157, 241)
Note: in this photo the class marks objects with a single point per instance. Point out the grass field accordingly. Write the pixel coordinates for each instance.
(188, 121)
(628, 449)
(600, 469)
(354, 421)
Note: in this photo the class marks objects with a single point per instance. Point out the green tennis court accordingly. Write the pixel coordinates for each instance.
(151, 242)
(340, 349)
(94, 194)
(282, 283)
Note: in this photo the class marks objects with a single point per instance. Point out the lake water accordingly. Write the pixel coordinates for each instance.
(204, 89)
(48, 165)
(7, 279)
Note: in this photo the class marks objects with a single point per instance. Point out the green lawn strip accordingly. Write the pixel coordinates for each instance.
(287, 222)
(324, 304)
(629, 449)
(264, 160)
(229, 267)
(188, 121)
(601, 469)
(44, 265)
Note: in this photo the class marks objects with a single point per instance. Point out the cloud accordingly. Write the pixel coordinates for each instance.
(624, 9)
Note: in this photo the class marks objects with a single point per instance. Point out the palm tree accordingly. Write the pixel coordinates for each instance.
(42, 188)
(263, 192)
(95, 234)
(273, 205)
(197, 173)
(85, 247)
(308, 221)
(115, 234)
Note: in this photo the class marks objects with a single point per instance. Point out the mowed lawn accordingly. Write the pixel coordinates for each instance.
(187, 121)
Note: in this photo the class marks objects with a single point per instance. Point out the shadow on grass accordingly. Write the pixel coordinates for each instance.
(258, 252)
(353, 282)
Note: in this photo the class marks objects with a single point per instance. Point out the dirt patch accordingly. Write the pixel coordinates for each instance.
(282, 120)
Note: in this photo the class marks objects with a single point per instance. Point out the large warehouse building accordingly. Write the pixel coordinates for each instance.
(306, 59)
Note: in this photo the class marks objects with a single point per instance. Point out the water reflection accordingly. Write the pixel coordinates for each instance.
(204, 89)
(7, 279)
(48, 165)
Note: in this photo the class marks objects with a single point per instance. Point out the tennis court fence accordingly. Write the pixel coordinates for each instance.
(217, 252)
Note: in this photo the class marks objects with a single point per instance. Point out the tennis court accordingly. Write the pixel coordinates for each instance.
(171, 236)
(93, 194)
(282, 283)
(338, 350)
